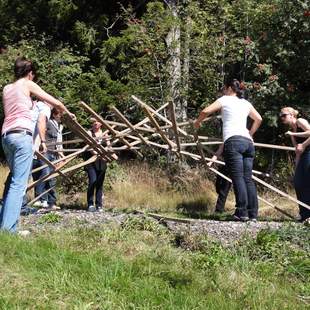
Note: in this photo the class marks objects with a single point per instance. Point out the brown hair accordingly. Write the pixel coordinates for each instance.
(22, 67)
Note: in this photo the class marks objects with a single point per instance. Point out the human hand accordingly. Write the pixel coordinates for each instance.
(289, 133)
(209, 164)
(43, 148)
(299, 149)
(196, 124)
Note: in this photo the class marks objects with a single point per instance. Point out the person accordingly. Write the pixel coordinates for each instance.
(238, 145)
(41, 115)
(300, 137)
(17, 136)
(222, 186)
(54, 130)
(96, 171)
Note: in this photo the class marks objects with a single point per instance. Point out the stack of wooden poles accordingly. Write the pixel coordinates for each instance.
(159, 129)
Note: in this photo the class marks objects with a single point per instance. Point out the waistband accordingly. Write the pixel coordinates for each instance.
(238, 138)
(27, 132)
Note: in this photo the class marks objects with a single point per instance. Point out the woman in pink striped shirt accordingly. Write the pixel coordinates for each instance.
(17, 137)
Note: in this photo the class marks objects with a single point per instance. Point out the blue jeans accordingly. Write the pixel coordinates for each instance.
(239, 156)
(18, 151)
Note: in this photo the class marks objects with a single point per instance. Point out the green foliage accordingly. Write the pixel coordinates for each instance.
(113, 268)
(51, 218)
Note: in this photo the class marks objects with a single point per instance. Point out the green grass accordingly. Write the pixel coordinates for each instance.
(140, 265)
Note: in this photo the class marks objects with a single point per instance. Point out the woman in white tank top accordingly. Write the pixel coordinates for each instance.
(238, 145)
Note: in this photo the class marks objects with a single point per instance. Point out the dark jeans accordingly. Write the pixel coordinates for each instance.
(39, 187)
(222, 187)
(302, 183)
(95, 182)
(239, 156)
(51, 196)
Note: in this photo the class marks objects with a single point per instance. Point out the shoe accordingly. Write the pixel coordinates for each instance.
(91, 209)
(99, 209)
(28, 210)
(44, 204)
(253, 220)
(37, 203)
(240, 218)
(23, 233)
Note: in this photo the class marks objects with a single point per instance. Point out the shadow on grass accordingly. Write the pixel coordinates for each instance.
(198, 209)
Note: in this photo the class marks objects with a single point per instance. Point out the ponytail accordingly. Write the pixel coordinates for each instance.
(236, 86)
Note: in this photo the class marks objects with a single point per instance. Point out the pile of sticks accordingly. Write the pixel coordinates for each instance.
(158, 129)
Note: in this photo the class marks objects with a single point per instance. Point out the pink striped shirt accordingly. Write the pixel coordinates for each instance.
(17, 108)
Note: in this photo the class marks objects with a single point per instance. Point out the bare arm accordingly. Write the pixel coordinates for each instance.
(257, 120)
(302, 123)
(212, 108)
(36, 90)
(304, 134)
(42, 130)
(217, 154)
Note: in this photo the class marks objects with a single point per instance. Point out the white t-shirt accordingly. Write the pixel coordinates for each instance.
(40, 108)
(235, 112)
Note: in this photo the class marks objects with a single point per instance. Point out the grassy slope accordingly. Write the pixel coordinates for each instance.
(139, 266)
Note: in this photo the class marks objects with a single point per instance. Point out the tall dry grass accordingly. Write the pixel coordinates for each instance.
(4, 171)
(192, 193)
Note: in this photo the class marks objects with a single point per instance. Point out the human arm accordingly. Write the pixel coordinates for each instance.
(36, 90)
(257, 120)
(300, 147)
(108, 143)
(41, 124)
(216, 155)
(212, 108)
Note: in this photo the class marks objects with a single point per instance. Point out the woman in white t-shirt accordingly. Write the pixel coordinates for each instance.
(238, 145)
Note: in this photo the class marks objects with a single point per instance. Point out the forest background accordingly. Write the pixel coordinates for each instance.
(102, 52)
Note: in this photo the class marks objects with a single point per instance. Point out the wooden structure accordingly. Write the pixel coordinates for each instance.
(156, 130)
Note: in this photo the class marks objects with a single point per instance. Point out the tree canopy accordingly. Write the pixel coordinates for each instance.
(181, 50)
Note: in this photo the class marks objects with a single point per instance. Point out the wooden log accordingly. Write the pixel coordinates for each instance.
(281, 192)
(127, 122)
(49, 163)
(166, 120)
(75, 167)
(79, 130)
(39, 196)
(259, 198)
(107, 126)
(62, 159)
(276, 147)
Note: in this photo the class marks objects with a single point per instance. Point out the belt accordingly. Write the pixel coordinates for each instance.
(27, 132)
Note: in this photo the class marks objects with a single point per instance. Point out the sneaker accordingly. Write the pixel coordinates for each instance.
(37, 203)
(91, 209)
(253, 220)
(240, 218)
(23, 233)
(99, 209)
(44, 204)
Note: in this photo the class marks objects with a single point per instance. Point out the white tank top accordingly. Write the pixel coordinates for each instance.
(235, 112)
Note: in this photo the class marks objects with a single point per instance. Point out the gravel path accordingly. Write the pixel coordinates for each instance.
(226, 232)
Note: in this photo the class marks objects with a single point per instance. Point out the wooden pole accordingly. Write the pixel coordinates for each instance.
(127, 122)
(107, 126)
(156, 125)
(142, 104)
(39, 196)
